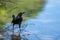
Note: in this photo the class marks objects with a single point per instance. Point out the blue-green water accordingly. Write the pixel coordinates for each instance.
(46, 26)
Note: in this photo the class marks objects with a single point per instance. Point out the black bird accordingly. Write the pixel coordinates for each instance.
(17, 20)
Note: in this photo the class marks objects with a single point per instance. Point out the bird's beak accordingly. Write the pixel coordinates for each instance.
(23, 12)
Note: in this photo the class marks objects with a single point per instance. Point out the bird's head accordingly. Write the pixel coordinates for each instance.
(21, 13)
(13, 16)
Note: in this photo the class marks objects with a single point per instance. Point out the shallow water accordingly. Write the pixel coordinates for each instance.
(46, 26)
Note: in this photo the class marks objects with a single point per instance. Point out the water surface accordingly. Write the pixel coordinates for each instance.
(46, 26)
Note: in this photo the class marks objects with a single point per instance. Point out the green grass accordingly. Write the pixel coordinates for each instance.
(31, 7)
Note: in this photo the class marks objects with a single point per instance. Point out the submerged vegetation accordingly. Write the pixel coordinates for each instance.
(10, 7)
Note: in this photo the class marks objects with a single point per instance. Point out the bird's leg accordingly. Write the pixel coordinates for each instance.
(19, 31)
(19, 27)
(13, 29)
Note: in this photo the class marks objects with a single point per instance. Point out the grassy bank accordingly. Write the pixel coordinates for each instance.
(8, 8)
